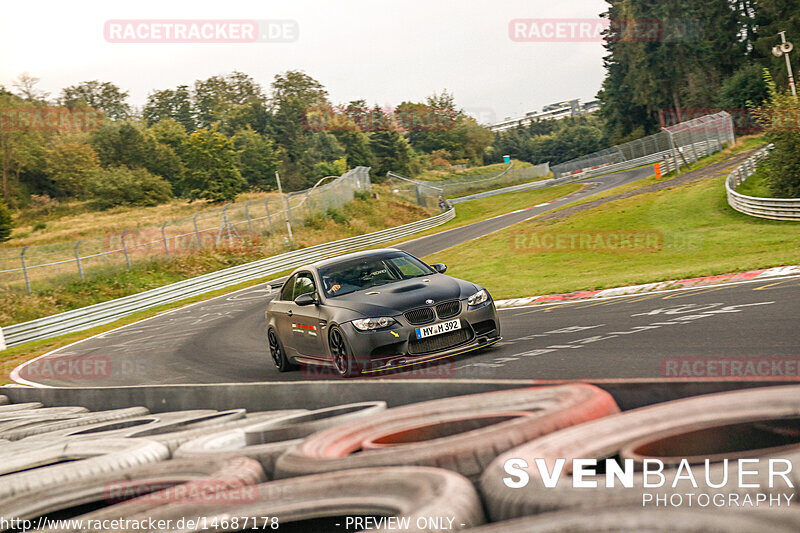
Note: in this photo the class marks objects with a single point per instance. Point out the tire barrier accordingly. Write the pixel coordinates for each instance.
(670, 429)
(650, 520)
(151, 481)
(4, 400)
(267, 441)
(457, 443)
(24, 465)
(425, 497)
(69, 424)
(431, 466)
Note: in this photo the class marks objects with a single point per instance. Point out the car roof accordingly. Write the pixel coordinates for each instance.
(354, 255)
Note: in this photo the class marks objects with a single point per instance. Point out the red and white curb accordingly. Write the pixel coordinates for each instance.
(792, 270)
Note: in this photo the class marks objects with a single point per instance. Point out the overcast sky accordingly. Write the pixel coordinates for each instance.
(379, 50)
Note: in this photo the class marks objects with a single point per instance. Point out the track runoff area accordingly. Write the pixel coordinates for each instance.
(466, 444)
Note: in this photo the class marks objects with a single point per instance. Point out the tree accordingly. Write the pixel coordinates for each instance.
(358, 152)
(780, 118)
(104, 96)
(257, 159)
(392, 153)
(210, 171)
(123, 186)
(124, 144)
(233, 101)
(6, 222)
(72, 166)
(26, 88)
(170, 104)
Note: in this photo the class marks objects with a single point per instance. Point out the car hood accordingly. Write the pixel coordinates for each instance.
(399, 297)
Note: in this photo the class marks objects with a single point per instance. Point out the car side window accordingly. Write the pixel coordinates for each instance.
(288, 289)
(304, 284)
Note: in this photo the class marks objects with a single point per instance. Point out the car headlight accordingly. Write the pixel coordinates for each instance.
(368, 324)
(478, 298)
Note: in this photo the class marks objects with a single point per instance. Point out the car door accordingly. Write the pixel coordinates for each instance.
(280, 309)
(307, 336)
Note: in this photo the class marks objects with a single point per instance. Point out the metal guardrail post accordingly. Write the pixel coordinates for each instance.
(78, 258)
(2, 341)
(197, 231)
(125, 249)
(25, 269)
(164, 237)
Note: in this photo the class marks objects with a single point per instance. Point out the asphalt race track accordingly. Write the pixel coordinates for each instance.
(640, 336)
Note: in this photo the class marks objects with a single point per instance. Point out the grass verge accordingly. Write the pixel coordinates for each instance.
(697, 233)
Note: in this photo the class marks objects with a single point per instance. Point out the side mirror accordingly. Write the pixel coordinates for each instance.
(441, 268)
(309, 298)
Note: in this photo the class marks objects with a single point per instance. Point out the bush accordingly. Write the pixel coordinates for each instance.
(780, 118)
(6, 223)
(337, 216)
(123, 186)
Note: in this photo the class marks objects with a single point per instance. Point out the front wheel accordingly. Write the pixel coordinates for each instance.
(343, 361)
(278, 353)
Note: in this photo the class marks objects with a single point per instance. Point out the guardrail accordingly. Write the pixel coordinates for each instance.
(106, 312)
(771, 208)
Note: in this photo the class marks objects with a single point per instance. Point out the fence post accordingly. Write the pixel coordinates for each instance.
(125, 250)
(164, 236)
(197, 232)
(25, 269)
(247, 214)
(78, 258)
(308, 204)
(269, 216)
(2, 341)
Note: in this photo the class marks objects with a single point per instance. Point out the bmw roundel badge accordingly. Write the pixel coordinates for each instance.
(429, 301)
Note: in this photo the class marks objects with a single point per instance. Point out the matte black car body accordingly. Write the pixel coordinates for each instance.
(306, 327)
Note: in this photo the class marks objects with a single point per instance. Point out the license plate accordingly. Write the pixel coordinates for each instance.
(438, 329)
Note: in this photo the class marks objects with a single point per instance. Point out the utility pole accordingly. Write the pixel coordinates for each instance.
(783, 49)
(286, 206)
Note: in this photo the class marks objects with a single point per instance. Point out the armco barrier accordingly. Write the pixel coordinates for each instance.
(771, 208)
(105, 312)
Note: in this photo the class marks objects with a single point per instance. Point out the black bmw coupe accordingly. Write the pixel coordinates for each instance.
(373, 311)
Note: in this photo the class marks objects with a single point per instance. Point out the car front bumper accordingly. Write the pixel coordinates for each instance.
(397, 347)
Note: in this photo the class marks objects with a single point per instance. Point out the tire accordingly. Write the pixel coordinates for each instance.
(462, 447)
(344, 361)
(414, 492)
(209, 473)
(85, 420)
(4, 400)
(606, 438)
(165, 428)
(278, 353)
(266, 441)
(650, 520)
(12, 407)
(86, 459)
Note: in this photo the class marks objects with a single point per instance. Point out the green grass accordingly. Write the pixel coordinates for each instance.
(701, 236)
(756, 184)
(443, 175)
(477, 210)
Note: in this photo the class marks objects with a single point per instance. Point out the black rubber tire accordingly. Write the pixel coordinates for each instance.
(413, 492)
(211, 473)
(266, 441)
(344, 362)
(280, 359)
(22, 463)
(605, 438)
(467, 451)
(625, 520)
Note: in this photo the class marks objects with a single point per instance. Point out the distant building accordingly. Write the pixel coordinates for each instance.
(556, 111)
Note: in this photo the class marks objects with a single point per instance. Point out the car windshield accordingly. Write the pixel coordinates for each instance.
(371, 271)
